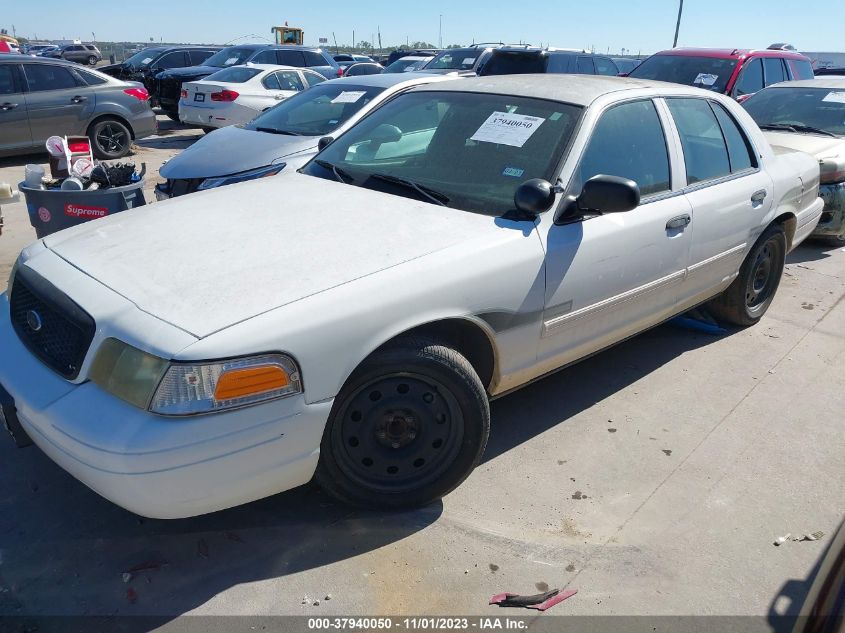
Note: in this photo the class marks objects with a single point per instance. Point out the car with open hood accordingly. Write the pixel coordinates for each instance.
(350, 321)
(144, 65)
(810, 116)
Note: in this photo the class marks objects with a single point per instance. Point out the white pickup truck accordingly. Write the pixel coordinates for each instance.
(352, 321)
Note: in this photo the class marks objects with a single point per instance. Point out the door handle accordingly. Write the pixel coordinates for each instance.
(8, 106)
(758, 198)
(678, 222)
(78, 99)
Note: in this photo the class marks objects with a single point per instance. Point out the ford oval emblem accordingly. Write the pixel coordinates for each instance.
(33, 320)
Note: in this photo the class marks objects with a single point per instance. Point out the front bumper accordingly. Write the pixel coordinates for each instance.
(157, 466)
(832, 222)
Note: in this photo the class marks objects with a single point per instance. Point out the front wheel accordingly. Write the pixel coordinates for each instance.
(92, 61)
(110, 139)
(746, 300)
(409, 426)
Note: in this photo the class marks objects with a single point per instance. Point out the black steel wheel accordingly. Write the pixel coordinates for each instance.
(110, 139)
(92, 60)
(408, 427)
(748, 298)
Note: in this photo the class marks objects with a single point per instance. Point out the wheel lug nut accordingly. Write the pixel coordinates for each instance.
(395, 445)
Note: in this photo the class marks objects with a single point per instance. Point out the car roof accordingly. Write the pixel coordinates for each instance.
(833, 82)
(15, 57)
(263, 67)
(386, 80)
(575, 89)
(730, 53)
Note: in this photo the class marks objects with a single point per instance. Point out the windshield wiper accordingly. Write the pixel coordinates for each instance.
(795, 127)
(339, 174)
(431, 194)
(273, 130)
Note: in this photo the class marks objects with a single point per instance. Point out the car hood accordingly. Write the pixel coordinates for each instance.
(215, 258)
(189, 72)
(232, 149)
(819, 146)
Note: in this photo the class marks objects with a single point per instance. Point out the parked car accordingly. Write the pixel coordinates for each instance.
(144, 65)
(626, 64)
(345, 60)
(351, 321)
(810, 116)
(35, 49)
(404, 52)
(45, 52)
(461, 60)
(735, 72)
(510, 60)
(408, 64)
(168, 84)
(40, 98)
(283, 138)
(237, 94)
(363, 68)
(81, 53)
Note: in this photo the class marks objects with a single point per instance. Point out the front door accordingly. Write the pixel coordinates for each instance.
(610, 276)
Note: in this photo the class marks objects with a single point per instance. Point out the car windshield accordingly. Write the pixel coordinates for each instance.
(317, 111)
(819, 108)
(468, 151)
(235, 75)
(460, 59)
(515, 64)
(710, 73)
(143, 58)
(231, 56)
(406, 65)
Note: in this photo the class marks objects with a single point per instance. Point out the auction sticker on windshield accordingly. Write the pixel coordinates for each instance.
(468, 61)
(705, 79)
(835, 97)
(349, 96)
(507, 129)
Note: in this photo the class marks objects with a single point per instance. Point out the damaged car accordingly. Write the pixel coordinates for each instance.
(351, 321)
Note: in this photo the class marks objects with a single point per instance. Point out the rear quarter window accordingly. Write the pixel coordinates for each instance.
(800, 68)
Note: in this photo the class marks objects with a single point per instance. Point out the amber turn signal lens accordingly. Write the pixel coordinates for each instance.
(250, 381)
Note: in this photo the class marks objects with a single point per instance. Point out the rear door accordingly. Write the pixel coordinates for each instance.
(14, 126)
(56, 102)
(750, 79)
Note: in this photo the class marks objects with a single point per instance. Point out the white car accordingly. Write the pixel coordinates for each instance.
(237, 94)
(352, 320)
(408, 64)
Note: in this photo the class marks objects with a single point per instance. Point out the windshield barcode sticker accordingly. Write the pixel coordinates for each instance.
(349, 97)
(230, 61)
(507, 129)
(705, 80)
(835, 97)
(468, 61)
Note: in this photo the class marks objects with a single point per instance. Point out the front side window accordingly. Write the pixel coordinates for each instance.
(775, 72)
(628, 141)
(468, 151)
(7, 80)
(710, 73)
(705, 151)
(750, 78)
(43, 77)
(799, 110)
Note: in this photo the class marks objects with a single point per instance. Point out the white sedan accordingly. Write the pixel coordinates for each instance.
(237, 94)
(350, 321)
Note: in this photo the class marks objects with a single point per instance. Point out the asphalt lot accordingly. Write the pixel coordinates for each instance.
(653, 478)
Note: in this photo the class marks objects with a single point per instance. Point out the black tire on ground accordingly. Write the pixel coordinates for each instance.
(92, 60)
(834, 240)
(110, 139)
(410, 424)
(746, 300)
(173, 116)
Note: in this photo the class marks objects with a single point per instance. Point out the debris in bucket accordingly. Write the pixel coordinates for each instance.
(540, 601)
(782, 539)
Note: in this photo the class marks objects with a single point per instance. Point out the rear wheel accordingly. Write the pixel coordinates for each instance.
(746, 300)
(110, 139)
(92, 60)
(409, 426)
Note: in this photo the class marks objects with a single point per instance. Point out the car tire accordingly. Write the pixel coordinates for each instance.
(748, 298)
(110, 139)
(173, 116)
(92, 60)
(410, 424)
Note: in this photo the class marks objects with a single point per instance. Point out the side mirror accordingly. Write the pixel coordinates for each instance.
(534, 196)
(601, 194)
(386, 133)
(324, 142)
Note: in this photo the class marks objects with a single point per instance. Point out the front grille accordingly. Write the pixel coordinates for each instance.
(53, 327)
(181, 186)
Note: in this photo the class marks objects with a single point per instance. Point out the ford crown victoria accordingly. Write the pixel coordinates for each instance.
(352, 324)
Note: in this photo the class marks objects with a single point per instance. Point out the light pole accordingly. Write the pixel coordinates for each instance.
(441, 31)
(678, 25)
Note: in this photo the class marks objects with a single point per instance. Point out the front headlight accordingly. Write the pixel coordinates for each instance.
(171, 388)
(252, 174)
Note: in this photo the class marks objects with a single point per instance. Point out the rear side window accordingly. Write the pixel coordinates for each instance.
(312, 58)
(800, 68)
(605, 66)
(628, 141)
(705, 151)
(265, 57)
(585, 66)
(750, 78)
(43, 77)
(90, 78)
(739, 149)
(290, 58)
(313, 78)
(7, 80)
(775, 71)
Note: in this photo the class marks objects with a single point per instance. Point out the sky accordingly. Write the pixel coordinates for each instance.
(639, 26)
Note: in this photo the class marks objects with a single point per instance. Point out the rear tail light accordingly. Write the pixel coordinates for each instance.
(340, 72)
(140, 94)
(224, 95)
(184, 93)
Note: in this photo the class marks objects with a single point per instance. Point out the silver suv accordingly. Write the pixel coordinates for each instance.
(80, 53)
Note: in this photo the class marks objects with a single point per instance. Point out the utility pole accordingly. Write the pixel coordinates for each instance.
(441, 31)
(14, 32)
(678, 25)
(353, 38)
(379, 39)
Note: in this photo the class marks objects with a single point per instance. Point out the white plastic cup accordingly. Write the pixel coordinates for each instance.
(33, 175)
(72, 184)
